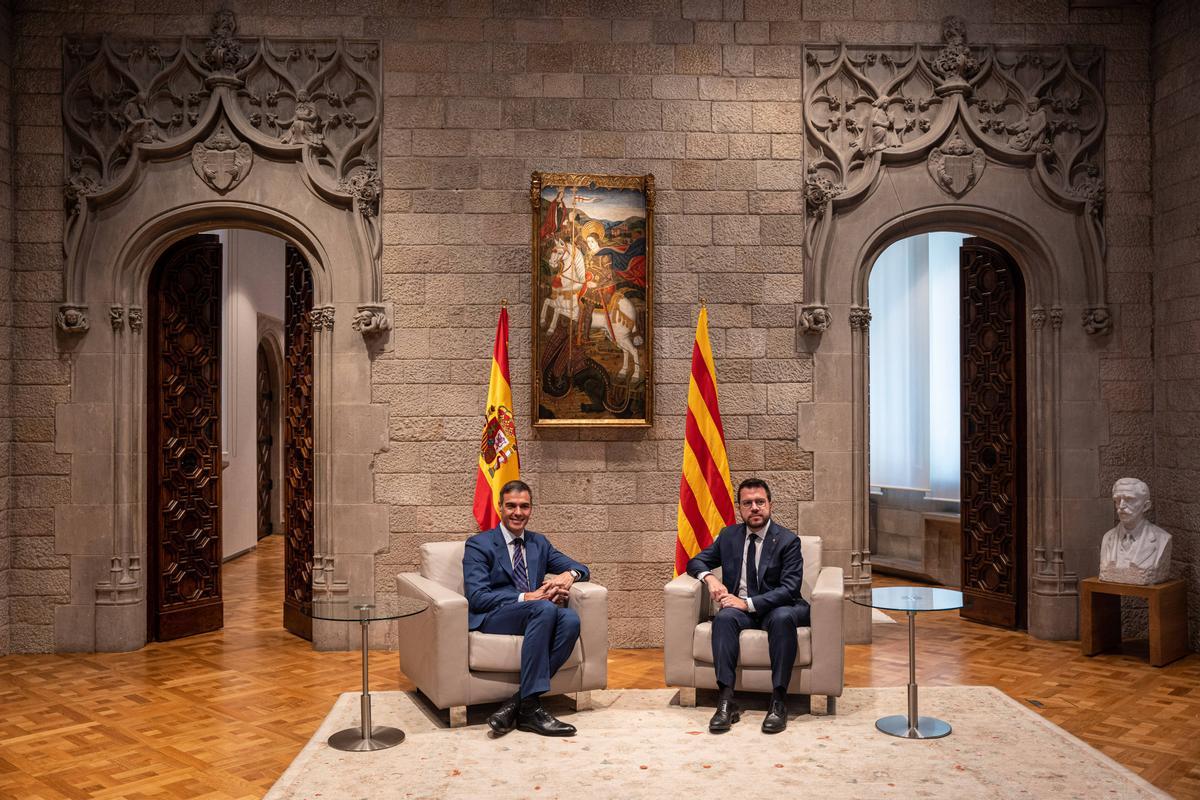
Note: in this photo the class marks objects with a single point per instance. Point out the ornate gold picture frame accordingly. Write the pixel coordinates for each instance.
(593, 299)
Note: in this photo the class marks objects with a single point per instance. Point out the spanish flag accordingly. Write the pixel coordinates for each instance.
(498, 461)
(705, 493)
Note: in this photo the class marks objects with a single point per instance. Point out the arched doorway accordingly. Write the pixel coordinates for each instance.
(221, 166)
(187, 448)
(947, 455)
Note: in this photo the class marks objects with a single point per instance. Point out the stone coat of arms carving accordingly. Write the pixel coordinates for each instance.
(956, 165)
(222, 161)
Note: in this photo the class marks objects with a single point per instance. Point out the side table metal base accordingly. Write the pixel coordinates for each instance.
(351, 739)
(927, 727)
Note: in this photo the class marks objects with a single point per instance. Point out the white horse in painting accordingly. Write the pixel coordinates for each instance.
(570, 270)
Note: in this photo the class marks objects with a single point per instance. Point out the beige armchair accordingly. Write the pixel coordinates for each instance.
(687, 648)
(456, 668)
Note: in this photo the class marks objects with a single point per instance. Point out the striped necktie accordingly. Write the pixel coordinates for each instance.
(519, 570)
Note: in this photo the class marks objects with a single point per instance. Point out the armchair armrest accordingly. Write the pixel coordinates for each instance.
(590, 601)
(684, 602)
(828, 634)
(433, 644)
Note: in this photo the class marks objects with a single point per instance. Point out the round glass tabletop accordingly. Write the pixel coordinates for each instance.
(357, 609)
(913, 598)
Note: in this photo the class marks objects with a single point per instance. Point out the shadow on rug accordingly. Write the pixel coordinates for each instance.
(639, 744)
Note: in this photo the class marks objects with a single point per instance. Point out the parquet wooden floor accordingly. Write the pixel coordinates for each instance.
(221, 715)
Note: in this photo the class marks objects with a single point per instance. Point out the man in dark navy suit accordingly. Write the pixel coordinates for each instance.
(517, 584)
(762, 569)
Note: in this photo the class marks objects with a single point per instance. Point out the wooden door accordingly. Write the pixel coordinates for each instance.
(265, 441)
(993, 435)
(298, 446)
(184, 441)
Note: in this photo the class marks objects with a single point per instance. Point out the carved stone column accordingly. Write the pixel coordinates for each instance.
(1053, 597)
(858, 581)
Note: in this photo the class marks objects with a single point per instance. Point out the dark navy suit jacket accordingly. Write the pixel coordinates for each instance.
(780, 565)
(488, 570)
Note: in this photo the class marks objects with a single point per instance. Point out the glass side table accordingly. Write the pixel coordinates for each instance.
(912, 599)
(364, 611)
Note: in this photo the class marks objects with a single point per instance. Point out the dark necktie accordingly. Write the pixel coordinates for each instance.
(751, 567)
(519, 571)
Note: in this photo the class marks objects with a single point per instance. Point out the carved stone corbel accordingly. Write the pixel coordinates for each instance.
(72, 318)
(371, 320)
(116, 316)
(135, 319)
(814, 320)
(1097, 321)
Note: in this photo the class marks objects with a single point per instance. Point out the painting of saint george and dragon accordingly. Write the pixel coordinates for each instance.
(593, 286)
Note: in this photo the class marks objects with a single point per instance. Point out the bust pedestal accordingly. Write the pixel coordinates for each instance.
(1100, 617)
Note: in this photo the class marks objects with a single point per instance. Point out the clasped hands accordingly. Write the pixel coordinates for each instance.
(555, 588)
(722, 596)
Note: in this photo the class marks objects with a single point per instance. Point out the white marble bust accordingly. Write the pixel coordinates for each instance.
(1137, 550)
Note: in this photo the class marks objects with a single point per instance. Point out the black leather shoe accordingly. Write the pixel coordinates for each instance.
(776, 719)
(727, 714)
(504, 719)
(538, 720)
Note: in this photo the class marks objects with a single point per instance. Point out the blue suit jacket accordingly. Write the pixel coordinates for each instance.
(780, 565)
(488, 570)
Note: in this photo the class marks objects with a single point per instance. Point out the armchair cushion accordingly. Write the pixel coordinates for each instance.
(753, 647)
(495, 652)
(442, 562)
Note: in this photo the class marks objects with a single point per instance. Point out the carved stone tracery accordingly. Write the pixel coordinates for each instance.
(869, 109)
(222, 100)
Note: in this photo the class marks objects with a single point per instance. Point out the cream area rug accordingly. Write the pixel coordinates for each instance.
(640, 745)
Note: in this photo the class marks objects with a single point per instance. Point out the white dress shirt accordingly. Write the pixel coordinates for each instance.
(512, 557)
(761, 535)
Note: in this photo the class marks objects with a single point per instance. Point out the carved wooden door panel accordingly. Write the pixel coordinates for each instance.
(993, 435)
(184, 441)
(265, 440)
(298, 446)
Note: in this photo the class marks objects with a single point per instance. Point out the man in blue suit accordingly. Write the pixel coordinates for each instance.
(517, 584)
(762, 569)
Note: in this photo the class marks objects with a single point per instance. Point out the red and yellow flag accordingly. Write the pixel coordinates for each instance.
(705, 493)
(498, 460)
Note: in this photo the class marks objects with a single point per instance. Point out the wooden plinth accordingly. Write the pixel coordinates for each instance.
(1100, 617)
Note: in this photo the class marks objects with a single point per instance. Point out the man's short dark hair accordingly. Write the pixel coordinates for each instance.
(522, 486)
(753, 483)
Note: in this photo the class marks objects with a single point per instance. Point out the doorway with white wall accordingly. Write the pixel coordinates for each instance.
(946, 448)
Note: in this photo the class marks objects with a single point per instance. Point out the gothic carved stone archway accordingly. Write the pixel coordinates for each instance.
(168, 138)
(1003, 142)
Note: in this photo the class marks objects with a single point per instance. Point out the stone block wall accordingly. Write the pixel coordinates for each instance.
(706, 95)
(1176, 488)
(40, 367)
(6, 265)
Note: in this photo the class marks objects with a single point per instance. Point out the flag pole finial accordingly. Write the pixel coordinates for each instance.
(504, 302)
(702, 303)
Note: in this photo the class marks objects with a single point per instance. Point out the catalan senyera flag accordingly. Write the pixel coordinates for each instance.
(498, 459)
(705, 493)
